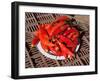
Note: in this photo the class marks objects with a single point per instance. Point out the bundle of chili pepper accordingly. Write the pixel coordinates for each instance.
(59, 37)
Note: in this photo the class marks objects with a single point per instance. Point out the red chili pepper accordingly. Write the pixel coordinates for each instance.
(36, 33)
(65, 51)
(35, 41)
(45, 47)
(48, 26)
(54, 28)
(68, 42)
(70, 31)
(55, 50)
(44, 38)
(76, 42)
(43, 35)
(70, 35)
(76, 35)
(60, 29)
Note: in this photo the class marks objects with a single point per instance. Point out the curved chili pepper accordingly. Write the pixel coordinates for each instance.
(71, 31)
(76, 41)
(36, 33)
(55, 50)
(60, 29)
(35, 41)
(45, 47)
(70, 35)
(65, 51)
(44, 38)
(47, 26)
(54, 28)
(43, 35)
(74, 38)
(68, 42)
(76, 35)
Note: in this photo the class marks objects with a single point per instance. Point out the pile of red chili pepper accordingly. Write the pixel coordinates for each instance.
(59, 37)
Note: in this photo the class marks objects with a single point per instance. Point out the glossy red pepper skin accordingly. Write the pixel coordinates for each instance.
(36, 38)
(76, 35)
(36, 33)
(35, 41)
(44, 46)
(56, 26)
(71, 31)
(65, 51)
(48, 26)
(52, 29)
(55, 50)
(68, 42)
(60, 29)
(76, 41)
(44, 39)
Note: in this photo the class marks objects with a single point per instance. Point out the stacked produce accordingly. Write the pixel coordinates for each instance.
(59, 37)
